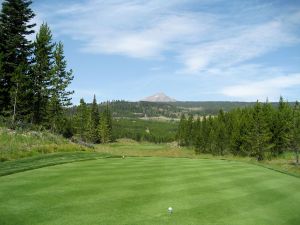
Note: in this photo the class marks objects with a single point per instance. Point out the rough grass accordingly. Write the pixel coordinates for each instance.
(20, 144)
(138, 191)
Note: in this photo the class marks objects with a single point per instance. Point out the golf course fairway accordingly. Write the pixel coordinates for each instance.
(139, 190)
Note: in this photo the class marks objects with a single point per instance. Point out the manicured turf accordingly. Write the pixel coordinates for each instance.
(140, 190)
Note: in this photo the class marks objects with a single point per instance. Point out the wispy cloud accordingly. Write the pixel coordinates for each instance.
(139, 29)
(270, 88)
(200, 40)
(245, 44)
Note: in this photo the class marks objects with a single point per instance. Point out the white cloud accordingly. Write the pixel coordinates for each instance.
(245, 44)
(150, 29)
(139, 29)
(260, 90)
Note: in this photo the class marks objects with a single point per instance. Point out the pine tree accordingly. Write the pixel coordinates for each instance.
(221, 133)
(197, 135)
(240, 127)
(180, 136)
(62, 78)
(59, 82)
(82, 117)
(42, 73)
(211, 133)
(105, 126)
(282, 128)
(109, 122)
(204, 135)
(295, 138)
(94, 122)
(2, 87)
(188, 139)
(16, 50)
(259, 135)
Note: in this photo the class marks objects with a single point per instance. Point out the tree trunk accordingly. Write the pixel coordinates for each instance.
(15, 104)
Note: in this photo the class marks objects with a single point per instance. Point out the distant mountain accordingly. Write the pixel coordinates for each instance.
(159, 97)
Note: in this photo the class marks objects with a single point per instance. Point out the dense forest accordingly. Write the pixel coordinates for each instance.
(141, 130)
(260, 131)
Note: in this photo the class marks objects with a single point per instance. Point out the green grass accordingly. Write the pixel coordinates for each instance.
(44, 160)
(139, 190)
(285, 163)
(129, 147)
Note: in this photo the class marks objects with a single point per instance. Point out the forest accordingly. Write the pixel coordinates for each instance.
(260, 131)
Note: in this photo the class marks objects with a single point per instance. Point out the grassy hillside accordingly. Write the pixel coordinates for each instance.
(16, 144)
(140, 190)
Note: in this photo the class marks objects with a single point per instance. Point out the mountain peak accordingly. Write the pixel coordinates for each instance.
(159, 97)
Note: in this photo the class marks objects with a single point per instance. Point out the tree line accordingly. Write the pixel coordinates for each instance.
(260, 131)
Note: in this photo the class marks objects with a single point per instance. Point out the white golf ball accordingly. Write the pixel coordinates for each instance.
(170, 209)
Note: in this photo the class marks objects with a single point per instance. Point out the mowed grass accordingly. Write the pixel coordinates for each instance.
(129, 147)
(138, 190)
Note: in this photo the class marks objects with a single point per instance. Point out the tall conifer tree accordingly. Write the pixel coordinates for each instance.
(259, 135)
(82, 118)
(282, 127)
(181, 130)
(60, 80)
(295, 138)
(16, 51)
(43, 73)
(105, 126)
(94, 122)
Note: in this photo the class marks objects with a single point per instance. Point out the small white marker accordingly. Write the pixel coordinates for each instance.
(170, 210)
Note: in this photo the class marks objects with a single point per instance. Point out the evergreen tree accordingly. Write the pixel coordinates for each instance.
(43, 74)
(181, 130)
(204, 135)
(221, 139)
(15, 50)
(211, 139)
(197, 135)
(259, 135)
(2, 80)
(94, 122)
(282, 128)
(188, 139)
(105, 126)
(60, 80)
(295, 138)
(240, 129)
(82, 120)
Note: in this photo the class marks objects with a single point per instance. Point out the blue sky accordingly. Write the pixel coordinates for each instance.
(190, 49)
